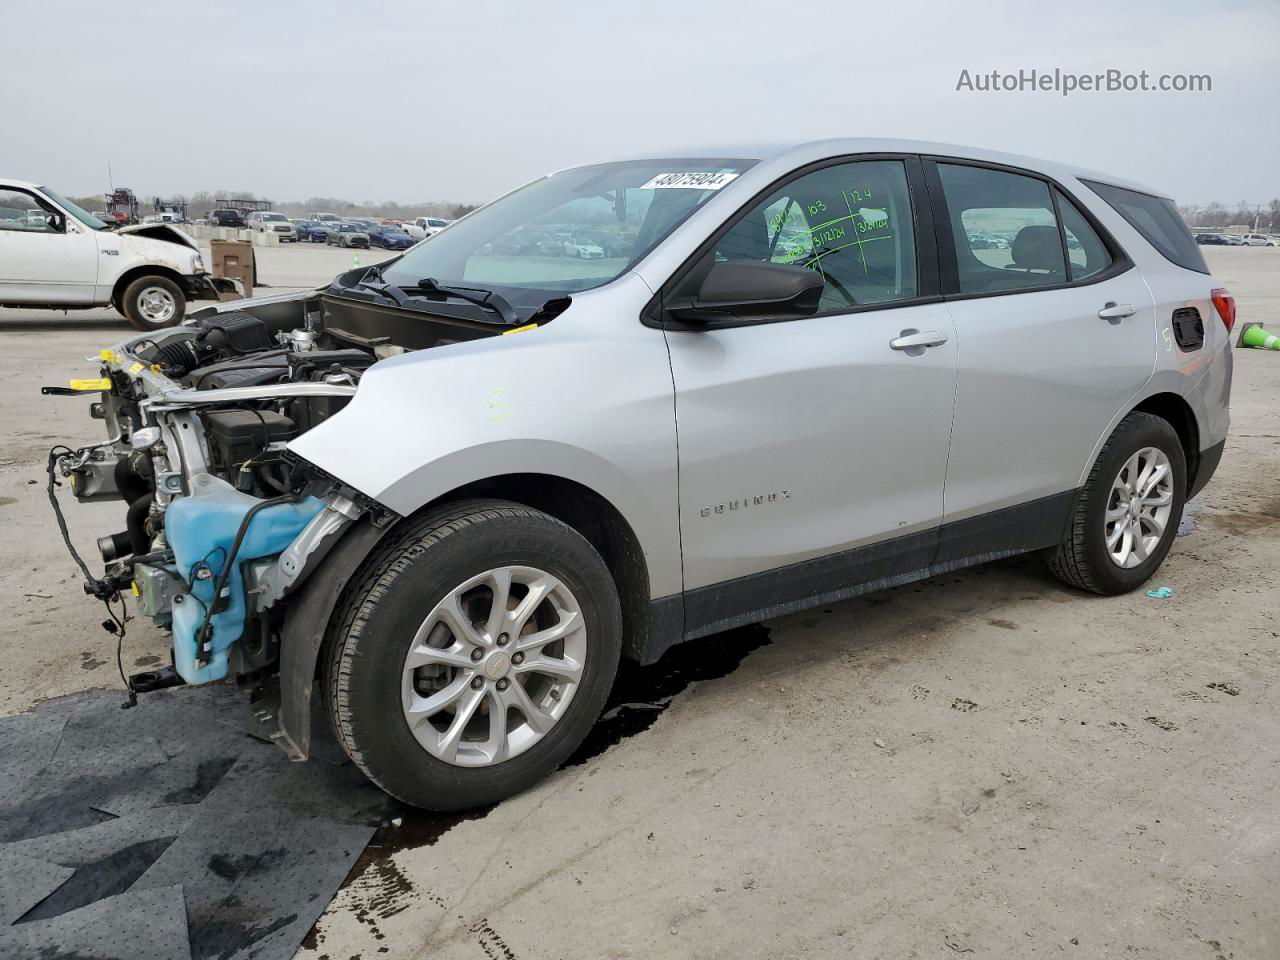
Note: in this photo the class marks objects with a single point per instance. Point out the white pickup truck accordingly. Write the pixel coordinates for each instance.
(424, 227)
(65, 258)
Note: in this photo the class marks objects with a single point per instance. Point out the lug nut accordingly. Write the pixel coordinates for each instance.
(477, 683)
(503, 639)
(504, 683)
(477, 654)
(517, 658)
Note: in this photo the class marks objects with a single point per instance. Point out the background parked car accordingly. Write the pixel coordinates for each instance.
(390, 237)
(1211, 240)
(265, 221)
(583, 249)
(348, 235)
(313, 231)
(226, 218)
(1256, 239)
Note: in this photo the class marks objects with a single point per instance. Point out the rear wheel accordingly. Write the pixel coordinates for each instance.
(474, 656)
(1128, 511)
(153, 302)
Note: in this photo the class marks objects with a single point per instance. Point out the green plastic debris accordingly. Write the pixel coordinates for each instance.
(1162, 593)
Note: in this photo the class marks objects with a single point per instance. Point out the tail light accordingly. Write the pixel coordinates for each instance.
(1225, 304)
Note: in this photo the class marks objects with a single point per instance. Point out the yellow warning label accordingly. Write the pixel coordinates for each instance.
(97, 384)
(134, 587)
(136, 368)
(105, 355)
(527, 326)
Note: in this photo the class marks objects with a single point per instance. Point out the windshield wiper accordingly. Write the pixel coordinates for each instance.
(489, 299)
(392, 293)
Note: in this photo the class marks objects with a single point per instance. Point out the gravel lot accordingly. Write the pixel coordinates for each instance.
(987, 763)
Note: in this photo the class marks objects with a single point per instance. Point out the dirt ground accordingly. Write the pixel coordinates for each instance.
(986, 764)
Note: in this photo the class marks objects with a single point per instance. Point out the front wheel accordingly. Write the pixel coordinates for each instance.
(474, 656)
(153, 302)
(1128, 511)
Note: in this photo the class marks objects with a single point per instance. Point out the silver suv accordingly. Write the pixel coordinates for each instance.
(450, 491)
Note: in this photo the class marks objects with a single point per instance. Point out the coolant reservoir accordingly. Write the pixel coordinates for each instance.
(201, 529)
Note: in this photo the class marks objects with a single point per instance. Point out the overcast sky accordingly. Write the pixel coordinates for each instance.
(406, 101)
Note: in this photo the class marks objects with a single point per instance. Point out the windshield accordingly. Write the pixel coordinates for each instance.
(274, 216)
(522, 245)
(84, 216)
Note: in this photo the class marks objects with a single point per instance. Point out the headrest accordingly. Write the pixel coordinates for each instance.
(1038, 248)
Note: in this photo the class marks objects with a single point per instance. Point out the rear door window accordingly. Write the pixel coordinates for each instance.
(1159, 222)
(1004, 229)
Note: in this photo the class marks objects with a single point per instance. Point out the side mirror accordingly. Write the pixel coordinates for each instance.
(750, 288)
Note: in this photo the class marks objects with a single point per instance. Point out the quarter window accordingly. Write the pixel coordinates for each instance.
(1005, 231)
(1159, 222)
(850, 223)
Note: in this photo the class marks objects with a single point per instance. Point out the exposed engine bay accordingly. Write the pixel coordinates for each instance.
(222, 521)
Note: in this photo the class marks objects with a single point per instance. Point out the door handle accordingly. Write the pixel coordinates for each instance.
(914, 338)
(1116, 311)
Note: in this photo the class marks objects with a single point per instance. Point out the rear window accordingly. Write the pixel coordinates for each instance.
(1158, 221)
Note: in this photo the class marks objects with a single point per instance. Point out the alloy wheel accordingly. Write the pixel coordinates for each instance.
(494, 666)
(1139, 507)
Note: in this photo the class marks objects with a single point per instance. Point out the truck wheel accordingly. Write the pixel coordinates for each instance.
(474, 656)
(1128, 512)
(152, 302)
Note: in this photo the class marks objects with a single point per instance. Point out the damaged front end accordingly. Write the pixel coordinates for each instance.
(223, 523)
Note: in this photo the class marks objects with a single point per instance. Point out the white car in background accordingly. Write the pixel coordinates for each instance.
(265, 221)
(55, 255)
(583, 250)
(424, 227)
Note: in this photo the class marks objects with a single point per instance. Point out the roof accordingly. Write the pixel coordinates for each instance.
(800, 152)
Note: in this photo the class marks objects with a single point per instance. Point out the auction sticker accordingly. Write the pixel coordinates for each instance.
(688, 181)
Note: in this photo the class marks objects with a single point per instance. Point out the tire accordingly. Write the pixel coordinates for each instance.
(368, 686)
(153, 302)
(1084, 560)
